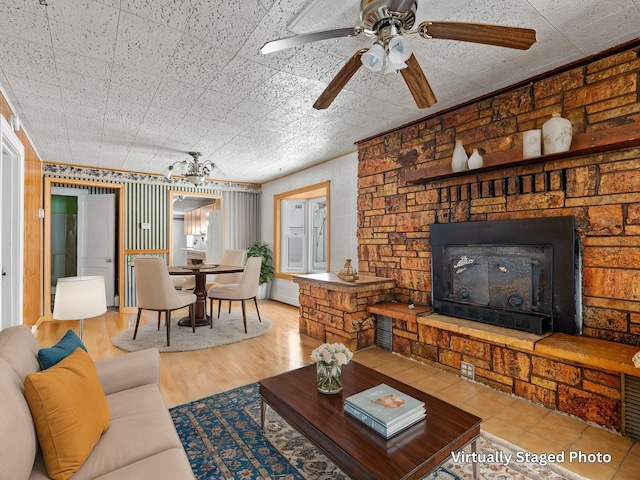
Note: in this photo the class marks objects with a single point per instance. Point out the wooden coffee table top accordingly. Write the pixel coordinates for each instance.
(354, 447)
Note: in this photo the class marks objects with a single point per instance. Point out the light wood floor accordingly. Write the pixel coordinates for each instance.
(188, 376)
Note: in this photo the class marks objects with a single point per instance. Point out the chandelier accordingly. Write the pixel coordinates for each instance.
(191, 169)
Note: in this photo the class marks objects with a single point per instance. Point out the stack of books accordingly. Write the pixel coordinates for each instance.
(384, 409)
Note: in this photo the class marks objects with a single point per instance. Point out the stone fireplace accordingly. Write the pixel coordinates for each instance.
(518, 274)
(407, 193)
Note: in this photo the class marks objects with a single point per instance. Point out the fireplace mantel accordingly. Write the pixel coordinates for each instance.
(616, 138)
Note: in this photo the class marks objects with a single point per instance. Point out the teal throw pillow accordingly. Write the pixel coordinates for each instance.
(50, 356)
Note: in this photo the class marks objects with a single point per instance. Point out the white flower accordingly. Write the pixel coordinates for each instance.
(332, 353)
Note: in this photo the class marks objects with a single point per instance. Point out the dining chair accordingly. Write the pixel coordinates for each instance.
(245, 289)
(235, 258)
(155, 291)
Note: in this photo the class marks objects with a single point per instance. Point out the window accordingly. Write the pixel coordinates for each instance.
(302, 231)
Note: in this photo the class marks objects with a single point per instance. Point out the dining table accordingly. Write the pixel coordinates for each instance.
(200, 271)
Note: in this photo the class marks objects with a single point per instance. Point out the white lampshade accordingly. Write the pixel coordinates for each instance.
(399, 49)
(373, 58)
(182, 167)
(393, 67)
(78, 298)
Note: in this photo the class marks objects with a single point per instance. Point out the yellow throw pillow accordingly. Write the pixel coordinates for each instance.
(70, 412)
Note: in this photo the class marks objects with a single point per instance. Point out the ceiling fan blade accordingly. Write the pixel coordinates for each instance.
(400, 6)
(510, 37)
(297, 40)
(418, 84)
(339, 81)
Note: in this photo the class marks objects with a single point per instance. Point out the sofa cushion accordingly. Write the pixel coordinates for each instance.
(19, 348)
(18, 442)
(70, 412)
(141, 427)
(168, 465)
(48, 357)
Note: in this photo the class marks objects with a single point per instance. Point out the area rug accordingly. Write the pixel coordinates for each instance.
(222, 437)
(227, 329)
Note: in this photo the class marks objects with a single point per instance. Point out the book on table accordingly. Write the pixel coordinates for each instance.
(384, 430)
(385, 409)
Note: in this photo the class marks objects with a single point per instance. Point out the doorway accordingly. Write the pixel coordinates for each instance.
(184, 242)
(12, 221)
(83, 235)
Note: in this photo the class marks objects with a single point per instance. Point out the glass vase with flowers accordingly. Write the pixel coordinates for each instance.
(329, 358)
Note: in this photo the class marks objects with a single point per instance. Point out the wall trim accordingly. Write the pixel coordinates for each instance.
(103, 175)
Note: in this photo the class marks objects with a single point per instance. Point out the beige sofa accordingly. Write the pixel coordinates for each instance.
(140, 443)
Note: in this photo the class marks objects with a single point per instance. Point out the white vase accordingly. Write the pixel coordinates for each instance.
(532, 143)
(475, 160)
(556, 134)
(459, 158)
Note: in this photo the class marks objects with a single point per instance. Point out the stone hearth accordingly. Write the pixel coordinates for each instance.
(571, 374)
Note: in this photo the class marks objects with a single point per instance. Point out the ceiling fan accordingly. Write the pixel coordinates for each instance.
(388, 21)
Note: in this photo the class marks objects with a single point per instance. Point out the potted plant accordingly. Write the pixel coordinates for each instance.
(267, 272)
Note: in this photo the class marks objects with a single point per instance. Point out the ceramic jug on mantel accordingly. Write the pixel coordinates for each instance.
(459, 158)
(557, 133)
(475, 160)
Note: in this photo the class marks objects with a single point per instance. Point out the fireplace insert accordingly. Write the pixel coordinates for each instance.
(519, 274)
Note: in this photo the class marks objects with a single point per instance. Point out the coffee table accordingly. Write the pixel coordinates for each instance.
(354, 447)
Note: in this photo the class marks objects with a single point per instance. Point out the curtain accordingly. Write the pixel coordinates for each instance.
(241, 218)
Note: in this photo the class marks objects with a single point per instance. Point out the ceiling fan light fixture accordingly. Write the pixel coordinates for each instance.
(391, 67)
(374, 58)
(399, 49)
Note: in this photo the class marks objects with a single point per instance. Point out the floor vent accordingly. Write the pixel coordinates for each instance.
(467, 370)
(384, 331)
(631, 407)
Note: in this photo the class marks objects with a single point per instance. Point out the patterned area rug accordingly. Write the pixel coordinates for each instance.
(221, 435)
(229, 328)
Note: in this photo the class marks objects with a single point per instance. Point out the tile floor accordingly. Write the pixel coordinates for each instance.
(522, 423)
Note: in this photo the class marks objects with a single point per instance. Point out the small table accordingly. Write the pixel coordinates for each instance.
(354, 447)
(201, 271)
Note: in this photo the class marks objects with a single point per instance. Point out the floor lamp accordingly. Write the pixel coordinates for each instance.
(79, 298)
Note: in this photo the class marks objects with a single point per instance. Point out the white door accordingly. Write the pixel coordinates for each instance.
(11, 225)
(96, 239)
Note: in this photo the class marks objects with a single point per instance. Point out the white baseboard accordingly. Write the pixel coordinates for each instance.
(285, 299)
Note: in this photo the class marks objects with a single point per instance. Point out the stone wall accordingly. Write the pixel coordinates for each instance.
(335, 311)
(602, 192)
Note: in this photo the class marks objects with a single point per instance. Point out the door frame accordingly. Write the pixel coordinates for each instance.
(170, 195)
(49, 182)
(16, 199)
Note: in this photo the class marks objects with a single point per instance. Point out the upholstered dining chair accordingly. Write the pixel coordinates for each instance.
(245, 289)
(155, 291)
(235, 258)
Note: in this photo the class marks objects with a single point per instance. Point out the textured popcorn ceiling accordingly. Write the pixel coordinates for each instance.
(132, 84)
